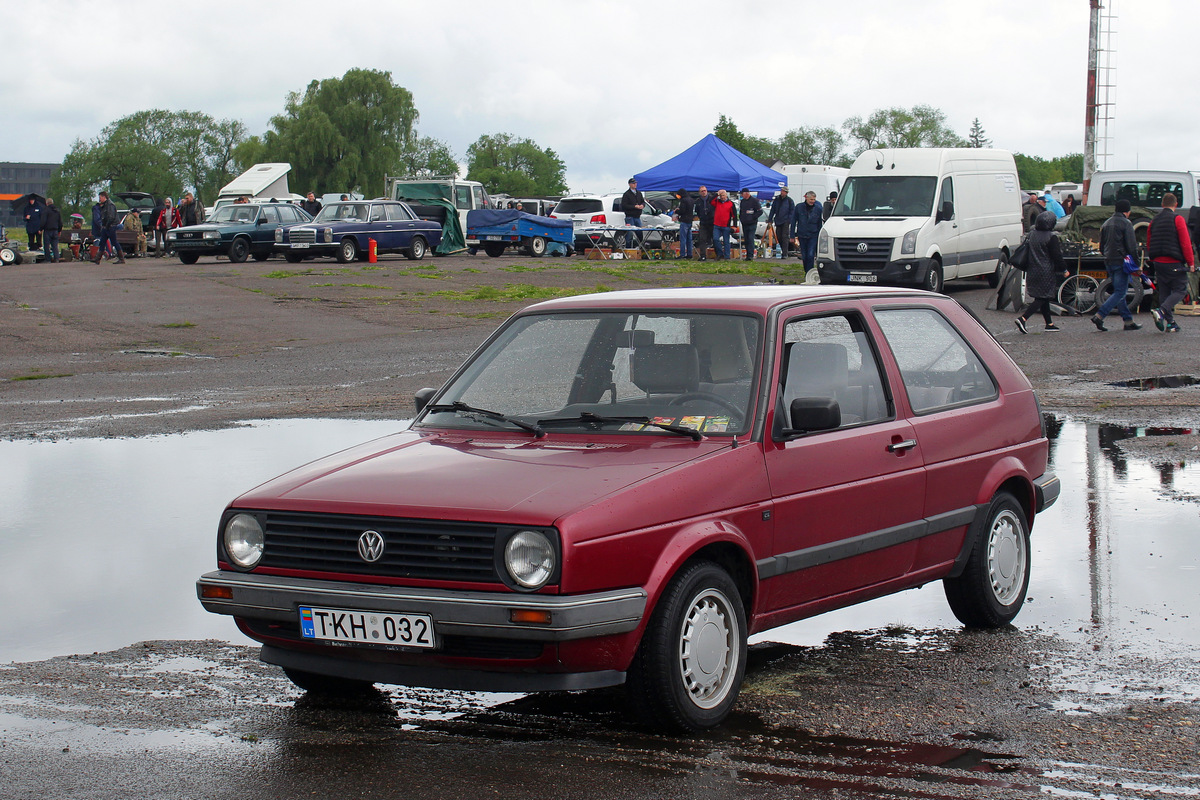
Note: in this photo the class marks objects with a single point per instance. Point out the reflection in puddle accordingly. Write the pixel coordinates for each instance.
(1163, 382)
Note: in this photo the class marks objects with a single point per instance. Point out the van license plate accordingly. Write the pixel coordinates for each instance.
(366, 627)
(857, 278)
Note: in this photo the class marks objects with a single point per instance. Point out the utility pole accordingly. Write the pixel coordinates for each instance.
(1089, 125)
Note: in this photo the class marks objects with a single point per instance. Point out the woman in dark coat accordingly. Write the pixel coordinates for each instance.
(1045, 265)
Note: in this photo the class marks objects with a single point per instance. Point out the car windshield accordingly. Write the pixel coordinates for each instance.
(610, 372)
(887, 196)
(241, 212)
(343, 212)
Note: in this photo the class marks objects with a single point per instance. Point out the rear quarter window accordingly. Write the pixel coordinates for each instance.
(939, 368)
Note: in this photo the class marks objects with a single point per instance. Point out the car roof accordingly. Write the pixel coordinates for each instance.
(760, 299)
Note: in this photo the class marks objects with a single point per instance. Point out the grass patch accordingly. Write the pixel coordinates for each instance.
(281, 274)
(41, 377)
(363, 286)
(178, 325)
(523, 268)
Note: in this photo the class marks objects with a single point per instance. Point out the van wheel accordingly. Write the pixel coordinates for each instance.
(992, 586)
(239, 250)
(692, 658)
(933, 277)
(347, 250)
(1001, 262)
(536, 247)
(416, 250)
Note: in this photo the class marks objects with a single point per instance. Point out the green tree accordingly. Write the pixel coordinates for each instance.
(976, 136)
(343, 133)
(506, 164)
(427, 156)
(1034, 172)
(813, 145)
(919, 126)
(754, 146)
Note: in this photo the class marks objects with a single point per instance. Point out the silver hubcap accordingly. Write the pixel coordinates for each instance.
(347, 250)
(708, 648)
(1006, 557)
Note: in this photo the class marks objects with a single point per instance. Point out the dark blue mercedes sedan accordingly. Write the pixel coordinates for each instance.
(237, 231)
(346, 230)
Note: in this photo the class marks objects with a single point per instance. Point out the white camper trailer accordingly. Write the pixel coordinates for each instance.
(260, 182)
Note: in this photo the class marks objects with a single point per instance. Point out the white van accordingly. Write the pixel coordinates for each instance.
(922, 216)
(1143, 187)
(818, 178)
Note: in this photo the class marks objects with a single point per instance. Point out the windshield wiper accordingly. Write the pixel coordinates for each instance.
(459, 407)
(587, 417)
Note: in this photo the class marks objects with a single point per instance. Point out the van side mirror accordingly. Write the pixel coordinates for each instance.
(422, 398)
(810, 414)
(946, 213)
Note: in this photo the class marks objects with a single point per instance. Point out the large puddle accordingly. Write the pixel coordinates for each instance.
(103, 539)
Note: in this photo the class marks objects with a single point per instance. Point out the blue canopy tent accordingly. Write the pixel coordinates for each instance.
(716, 165)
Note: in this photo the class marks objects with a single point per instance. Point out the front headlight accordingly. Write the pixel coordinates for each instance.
(823, 242)
(328, 233)
(212, 235)
(172, 236)
(529, 559)
(908, 245)
(243, 540)
(278, 235)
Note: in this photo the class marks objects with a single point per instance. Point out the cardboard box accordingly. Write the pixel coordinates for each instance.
(633, 255)
(594, 254)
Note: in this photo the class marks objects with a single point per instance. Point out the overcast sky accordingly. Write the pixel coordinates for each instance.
(612, 87)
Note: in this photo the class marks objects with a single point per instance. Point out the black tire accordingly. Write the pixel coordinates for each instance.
(262, 255)
(293, 258)
(536, 246)
(493, 249)
(692, 657)
(994, 279)
(239, 250)
(1133, 296)
(416, 249)
(991, 589)
(347, 250)
(326, 685)
(189, 258)
(933, 277)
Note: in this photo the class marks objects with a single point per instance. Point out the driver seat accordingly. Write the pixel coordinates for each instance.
(665, 368)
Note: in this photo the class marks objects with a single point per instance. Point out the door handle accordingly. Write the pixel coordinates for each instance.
(897, 447)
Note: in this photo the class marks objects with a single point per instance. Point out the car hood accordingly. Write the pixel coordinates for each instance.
(475, 477)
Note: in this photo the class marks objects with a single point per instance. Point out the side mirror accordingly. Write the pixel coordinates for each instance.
(422, 398)
(947, 212)
(260, 221)
(810, 414)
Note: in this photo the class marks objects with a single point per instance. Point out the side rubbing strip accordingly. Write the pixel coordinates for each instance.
(868, 542)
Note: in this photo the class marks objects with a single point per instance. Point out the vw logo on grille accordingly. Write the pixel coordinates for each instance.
(370, 546)
(862, 247)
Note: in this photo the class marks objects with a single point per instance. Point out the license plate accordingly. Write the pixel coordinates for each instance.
(493, 238)
(862, 278)
(299, 245)
(366, 627)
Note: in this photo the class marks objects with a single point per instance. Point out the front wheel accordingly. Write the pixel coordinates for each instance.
(933, 277)
(692, 658)
(326, 685)
(239, 250)
(998, 274)
(416, 250)
(992, 586)
(347, 251)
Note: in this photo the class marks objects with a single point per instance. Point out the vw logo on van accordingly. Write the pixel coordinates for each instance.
(862, 247)
(370, 546)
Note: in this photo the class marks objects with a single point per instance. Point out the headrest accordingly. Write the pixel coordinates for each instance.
(665, 368)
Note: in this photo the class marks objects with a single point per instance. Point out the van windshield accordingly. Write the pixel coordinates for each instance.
(887, 196)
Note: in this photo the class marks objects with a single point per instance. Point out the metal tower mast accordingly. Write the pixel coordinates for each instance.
(1101, 86)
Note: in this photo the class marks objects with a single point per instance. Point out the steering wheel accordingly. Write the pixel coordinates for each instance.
(687, 397)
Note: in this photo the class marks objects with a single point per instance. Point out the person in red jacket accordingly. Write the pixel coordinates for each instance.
(1169, 247)
(168, 218)
(724, 220)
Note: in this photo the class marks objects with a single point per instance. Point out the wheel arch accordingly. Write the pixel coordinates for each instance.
(717, 541)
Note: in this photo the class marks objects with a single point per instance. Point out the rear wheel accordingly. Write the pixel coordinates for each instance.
(189, 258)
(933, 277)
(997, 275)
(992, 586)
(416, 250)
(326, 685)
(239, 250)
(692, 658)
(493, 249)
(536, 247)
(347, 250)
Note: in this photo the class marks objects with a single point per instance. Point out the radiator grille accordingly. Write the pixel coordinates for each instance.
(302, 235)
(853, 255)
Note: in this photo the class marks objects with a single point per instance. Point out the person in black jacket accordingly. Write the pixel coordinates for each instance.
(1117, 240)
(807, 227)
(311, 204)
(684, 215)
(108, 220)
(33, 222)
(748, 212)
(704, 214)
(1045, 265)
(783, 211)
(51, 228)
(632, 205)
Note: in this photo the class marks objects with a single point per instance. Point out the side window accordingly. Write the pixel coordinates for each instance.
(378, 213)
(616, 204)
(477, 192)
(398, 214)
(832, 357)
(462, 196)
(271, 213)
(947, 192)
(937, 365)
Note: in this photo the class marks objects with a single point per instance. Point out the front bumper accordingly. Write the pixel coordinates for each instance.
(306, 247)
(456, 613)
(901, 272)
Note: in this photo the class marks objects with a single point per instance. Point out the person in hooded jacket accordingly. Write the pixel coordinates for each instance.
(33, 222)
(684, 214)
(748, 213)
(51, 227)
(1041, 278)
(783, 211)
(704, 214)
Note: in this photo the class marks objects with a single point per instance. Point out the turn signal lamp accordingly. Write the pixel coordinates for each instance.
(529, 616)
(217, 592)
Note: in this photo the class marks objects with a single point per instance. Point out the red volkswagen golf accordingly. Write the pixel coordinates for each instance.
(620, 488)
